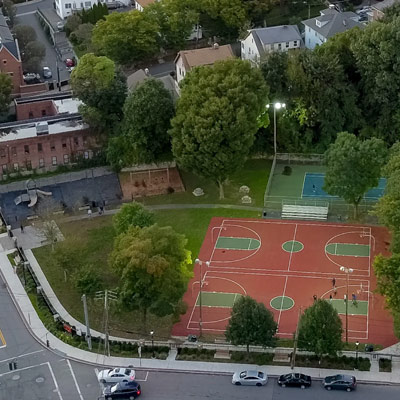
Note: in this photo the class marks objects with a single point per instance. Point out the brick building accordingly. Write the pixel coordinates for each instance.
(10, 62)
(49, 132)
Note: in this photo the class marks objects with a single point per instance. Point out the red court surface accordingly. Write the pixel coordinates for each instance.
(269, 271)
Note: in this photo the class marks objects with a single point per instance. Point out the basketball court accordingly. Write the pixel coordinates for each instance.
(283, 264)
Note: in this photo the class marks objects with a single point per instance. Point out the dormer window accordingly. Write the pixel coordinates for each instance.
(318, 23)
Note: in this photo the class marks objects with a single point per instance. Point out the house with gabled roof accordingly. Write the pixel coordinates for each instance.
(331, 22)
(264, 40)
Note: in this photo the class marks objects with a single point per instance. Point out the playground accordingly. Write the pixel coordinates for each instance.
(285, 265)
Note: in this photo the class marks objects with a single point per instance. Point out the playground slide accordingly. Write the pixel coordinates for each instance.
(33, 197)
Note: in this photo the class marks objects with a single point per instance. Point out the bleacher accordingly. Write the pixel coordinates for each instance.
(308, 212)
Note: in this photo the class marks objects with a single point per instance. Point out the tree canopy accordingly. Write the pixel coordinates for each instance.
(153, 264)
(102, 87)
(132, 214)
(353, 167)
(217, 118)
(251, 323)
(320, 329)
(126, 37)
(6, 87)
(147, 114)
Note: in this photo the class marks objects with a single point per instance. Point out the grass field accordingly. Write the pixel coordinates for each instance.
(92, 240)
(254, 175)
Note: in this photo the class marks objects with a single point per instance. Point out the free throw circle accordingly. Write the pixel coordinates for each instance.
(292, 246)
(282, 303)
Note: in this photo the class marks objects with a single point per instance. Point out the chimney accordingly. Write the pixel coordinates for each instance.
(215, 46)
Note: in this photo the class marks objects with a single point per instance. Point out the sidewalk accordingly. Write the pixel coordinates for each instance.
(40, 333)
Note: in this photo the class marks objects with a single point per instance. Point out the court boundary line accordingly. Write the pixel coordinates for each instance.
(291, 253)
(352, 244)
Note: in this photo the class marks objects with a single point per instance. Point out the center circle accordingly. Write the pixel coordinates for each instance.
(292, 246)
(282, 303)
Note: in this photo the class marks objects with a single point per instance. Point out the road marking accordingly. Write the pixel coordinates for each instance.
(3, 340)
(55, 381)
(75, 381)
(22, 355)
(143, 380)
(22, 369)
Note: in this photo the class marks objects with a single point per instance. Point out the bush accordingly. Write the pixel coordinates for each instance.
(132, 214)
(87, 280)
(287, 170)
(385, 365)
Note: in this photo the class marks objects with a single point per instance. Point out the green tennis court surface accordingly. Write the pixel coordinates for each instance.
(237, 243)
(217, 299)
(348, 249)
(359, 308)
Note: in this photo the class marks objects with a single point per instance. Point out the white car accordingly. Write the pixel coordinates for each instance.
(253, 378)
(116, 375)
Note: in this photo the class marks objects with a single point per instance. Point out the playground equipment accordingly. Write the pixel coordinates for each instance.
(31, 195)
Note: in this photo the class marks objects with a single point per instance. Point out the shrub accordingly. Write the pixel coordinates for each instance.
(87, 280)
(385, 365)
(287, 170)
(132, 214)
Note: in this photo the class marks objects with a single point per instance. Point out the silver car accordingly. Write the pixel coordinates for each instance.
(116, 375)
(253, 378)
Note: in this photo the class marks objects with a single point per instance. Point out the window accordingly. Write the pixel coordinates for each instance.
(66, 158)
(41, 162)
(88, 4)
(16, 166)
(39, 147)
(242, 45)
(74, 6)
(86, 155)
(52, 146)
(4, 62)
(2, 152)
(54, 160)
(287, 44)
(279, 46)
(315, 33)
(14, 151)
(67, 5)
(76, 140)
(28, 164)
(4, 168)
(30, 114)
(64, 144)
(26, 149)
(11, 73)
(295, 43)
(43, 113)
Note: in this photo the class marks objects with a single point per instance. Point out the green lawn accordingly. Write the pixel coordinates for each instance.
(254, 175)
(93, 239)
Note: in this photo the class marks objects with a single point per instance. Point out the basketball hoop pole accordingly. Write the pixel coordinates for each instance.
(197, 261)
(347, 271)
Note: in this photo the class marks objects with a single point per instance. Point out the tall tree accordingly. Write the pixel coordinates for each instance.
(72, 23)
(251, 323)
(320, 329)
(102, 87)
(353, 167)
(6, 87)
(9, 10)
(153, 264)
(132, 214)
(147, 114)
(216, 118)
(126, 37)
(24, 34)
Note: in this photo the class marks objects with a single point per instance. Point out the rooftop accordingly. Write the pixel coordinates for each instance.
(205, 56)
(277, 34)
(6, 38)
(384, 4)
(145, 3)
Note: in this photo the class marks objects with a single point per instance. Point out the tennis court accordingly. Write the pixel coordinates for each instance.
(284, 264)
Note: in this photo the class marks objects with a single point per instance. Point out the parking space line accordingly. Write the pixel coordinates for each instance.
(55, 381)
(143, 380)
(2, 340)
(75, 381)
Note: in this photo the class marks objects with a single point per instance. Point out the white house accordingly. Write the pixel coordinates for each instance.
(319, 29)
(188, 59)
(264, 40)
(378, 9)
(65, 8)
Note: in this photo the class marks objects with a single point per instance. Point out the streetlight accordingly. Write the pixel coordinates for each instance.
(357, 344)
(197, 261)
(152, 343)
(277, 106)
(347, 271)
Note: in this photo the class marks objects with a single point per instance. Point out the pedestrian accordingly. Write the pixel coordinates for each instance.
(330, 298)
(313, 188)
(22, 228)
(315, 297)
(333, 282)
(354, 298)
(335, 290)
(89, 212)
(345, 298)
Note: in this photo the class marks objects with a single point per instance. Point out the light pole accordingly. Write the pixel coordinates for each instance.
(197, 261)
(152, 344)
(347, 271)
(277, 106)
(357, 344)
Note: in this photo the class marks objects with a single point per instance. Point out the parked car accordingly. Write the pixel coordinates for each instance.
(116, 375)
(340, 382)
(47, 74)
(122, 390)
(254, 378)
(295, 380)
(70, 69)
(31, 77)
(70, 62)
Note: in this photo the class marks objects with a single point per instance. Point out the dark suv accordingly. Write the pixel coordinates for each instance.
(122, 391)
(340, 382)
(296, 380)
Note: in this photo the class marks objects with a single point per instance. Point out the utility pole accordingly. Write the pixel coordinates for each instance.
(108, 295)
(197, 261)
(85, 311)
(347, 271)
(296, 338)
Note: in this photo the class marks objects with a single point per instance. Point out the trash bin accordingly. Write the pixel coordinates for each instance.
(192, 338)
(369, 348)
